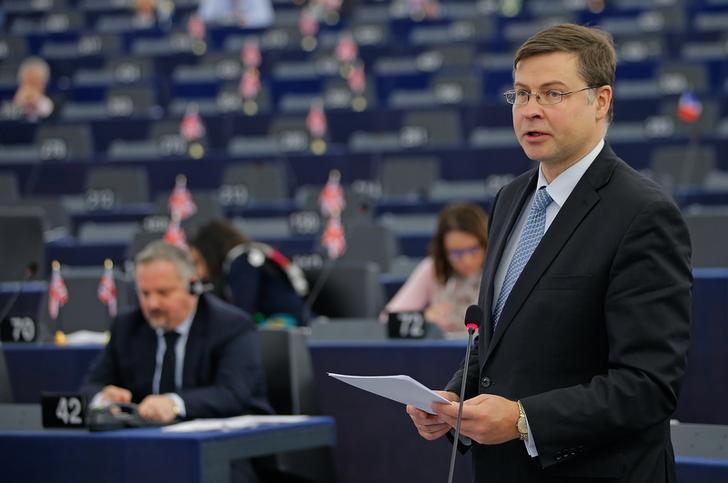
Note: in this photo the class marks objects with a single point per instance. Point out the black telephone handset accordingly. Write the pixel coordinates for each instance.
(115, 416)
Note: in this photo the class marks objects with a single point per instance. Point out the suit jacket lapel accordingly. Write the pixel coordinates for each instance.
(496, 247)
(194, 349)
(577, 206)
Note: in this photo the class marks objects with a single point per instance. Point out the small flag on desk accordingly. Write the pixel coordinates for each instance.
(316, 119)
(180, 202)
(333, 239)
(250, 54)
(175, 235)
(249, 85)
(357, 80)
(308, 24)
(191, 127)
(57, 291)
(347, 49)
(196, 28)
(689, 107)
(331, 198)
(107, 288)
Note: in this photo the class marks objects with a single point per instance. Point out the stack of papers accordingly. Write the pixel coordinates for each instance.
(87, 337)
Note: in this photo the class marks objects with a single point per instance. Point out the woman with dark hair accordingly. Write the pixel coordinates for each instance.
(254, 276)
(448, 280)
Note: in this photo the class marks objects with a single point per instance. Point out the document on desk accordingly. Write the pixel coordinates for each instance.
(399, 388)
(226, 424)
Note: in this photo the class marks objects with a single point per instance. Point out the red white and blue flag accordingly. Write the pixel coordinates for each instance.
(196, 28)
(191, 128)
(333, 239)
(175, 235)
(331, 199)
(689, 107)
(57, 292)
(250, 54)
(249, 86)
(347, 49)
(316, 119)
(180, 202)
(107, 289)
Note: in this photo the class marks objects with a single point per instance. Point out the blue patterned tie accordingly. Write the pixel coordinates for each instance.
(531, 236)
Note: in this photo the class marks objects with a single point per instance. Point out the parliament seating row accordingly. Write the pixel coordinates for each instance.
(236, 136)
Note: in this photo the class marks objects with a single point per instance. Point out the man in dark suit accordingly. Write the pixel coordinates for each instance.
(180, 354)
(586, 291)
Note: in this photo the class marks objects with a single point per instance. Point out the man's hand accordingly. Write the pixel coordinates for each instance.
(116, 394)
(487, 419)
(158, 408)
(428, 425)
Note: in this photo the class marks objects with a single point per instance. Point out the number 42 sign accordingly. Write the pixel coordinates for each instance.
(63, 410)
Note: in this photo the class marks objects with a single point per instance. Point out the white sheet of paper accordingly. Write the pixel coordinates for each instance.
(398, 388)
(237, 422)
(87, 337)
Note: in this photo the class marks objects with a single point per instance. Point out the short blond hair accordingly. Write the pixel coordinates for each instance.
(594, 48)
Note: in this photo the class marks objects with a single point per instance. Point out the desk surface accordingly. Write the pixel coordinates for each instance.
(35, 367)
(149, 454)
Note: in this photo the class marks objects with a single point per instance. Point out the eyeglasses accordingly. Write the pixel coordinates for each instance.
(459, 253)
(521, 97)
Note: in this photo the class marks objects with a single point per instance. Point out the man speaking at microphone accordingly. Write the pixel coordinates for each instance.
(586, 291)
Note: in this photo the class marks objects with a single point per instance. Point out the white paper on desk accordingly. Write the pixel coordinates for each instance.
(399, 388)
(86, 337)
(236, 422)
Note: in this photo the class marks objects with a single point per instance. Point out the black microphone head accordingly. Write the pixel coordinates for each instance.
(473, 317)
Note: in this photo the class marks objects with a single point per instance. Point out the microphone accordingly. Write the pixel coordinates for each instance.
(30, 271)
(473, 320)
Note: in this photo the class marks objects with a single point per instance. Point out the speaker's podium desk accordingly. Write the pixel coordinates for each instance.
(145, 455)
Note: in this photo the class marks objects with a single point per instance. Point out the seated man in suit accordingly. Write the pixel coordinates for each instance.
(212, 367)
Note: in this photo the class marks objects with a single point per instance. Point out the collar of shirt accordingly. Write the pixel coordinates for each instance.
(561, 187)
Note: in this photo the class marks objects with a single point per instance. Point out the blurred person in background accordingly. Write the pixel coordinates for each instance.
(215, 368)
(145, 13)
(445, 283)
(245, 13)
(252, 275)
(30, 97)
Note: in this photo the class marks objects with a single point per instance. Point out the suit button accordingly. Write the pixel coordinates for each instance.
(486, 382)
(558, 457)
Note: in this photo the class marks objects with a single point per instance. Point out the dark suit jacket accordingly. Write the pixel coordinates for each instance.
(222, 373)
(594, 335)
(263, 290)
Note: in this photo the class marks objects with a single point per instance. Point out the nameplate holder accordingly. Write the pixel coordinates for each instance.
(18, 329)
(304, 222)
(406, 325)
(64, 410)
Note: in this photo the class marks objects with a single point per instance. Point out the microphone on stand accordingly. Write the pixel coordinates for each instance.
(473, 320)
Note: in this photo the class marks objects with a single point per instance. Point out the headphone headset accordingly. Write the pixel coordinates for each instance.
(198, 288)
